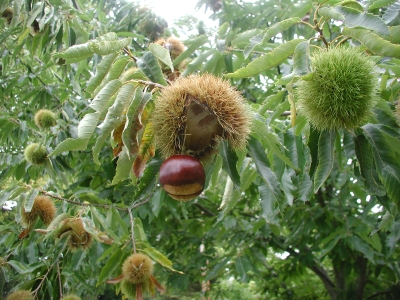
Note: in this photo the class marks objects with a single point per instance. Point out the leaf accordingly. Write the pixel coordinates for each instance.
(217, 269)
(146, 150)
(159, 257)
(270, 180)
(330, 13)
(367, 168)
(353, 18)
(75, 53)
(271, 32)
(244, 37)
(101, 72)
(391, 13)
(162, 54)
(229, 161)
(114, 117)
(287, 187)
(70, 145)
(124, 166)
(373, 42)
(326, 151)
(271, 141)
(387, 166)
(301, 59)
(380, 4)
(193, 46)
(108, 47)
(133, 122)
(151, 68)
(104, 224)
(101, 99)
(360, 246)
(19, 267)
(112, 264)
(267, 61)
(30, 200)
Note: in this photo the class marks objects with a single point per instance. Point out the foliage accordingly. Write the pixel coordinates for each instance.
(298, 214)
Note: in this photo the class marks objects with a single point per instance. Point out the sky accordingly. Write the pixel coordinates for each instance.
(171, 10)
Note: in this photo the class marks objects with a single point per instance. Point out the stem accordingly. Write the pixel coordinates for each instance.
(88, 204)
(132, 230)
(59, 279)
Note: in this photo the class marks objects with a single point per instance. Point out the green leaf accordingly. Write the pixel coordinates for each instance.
(385, 158)
(380, 4)
(287, 187)
(271, 141)
(104, 224)
(102, 70)
(270, 180)
(75, 53)
(159, 257)
(19, 267)
(267, 61)
(193, 46)
(301, 59)
(217, 268)
(30, 200)
(271, 32)
(70, 145)
(359, 245)
(133, 122)
(366, 163)
(108, 47)
(244, 37)
(151, 68)
(199, 60)
(373, 42)
(162, 54)
(114, 117)
(229, 161)
(353, 18)
(112, 264)
(326, 151)
(101, 99)
(330, 13)
(124, 166)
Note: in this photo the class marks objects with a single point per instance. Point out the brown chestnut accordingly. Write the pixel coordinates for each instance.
(182, 176)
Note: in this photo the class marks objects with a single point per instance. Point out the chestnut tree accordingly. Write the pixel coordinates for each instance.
(280, 129)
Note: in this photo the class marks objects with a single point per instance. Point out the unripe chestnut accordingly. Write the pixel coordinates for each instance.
(182, 176)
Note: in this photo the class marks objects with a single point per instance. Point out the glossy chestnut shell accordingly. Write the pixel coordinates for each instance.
(182, 176)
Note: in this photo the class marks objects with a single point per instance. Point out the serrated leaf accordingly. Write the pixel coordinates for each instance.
(287, 187)
(217, 268)
(162, 54)
(301, 59)
(104, 224)
(330, 13)
(19, 267)
(70, 145)
(267, 61)
(380, 4)
(134, 123)
(326, 151)
(124, 166)
(373, 42)
(114, 117)
(271, 32)
(229, 161)
(244, 37)
(102, 70)
(151, 68)
(146, 150)
(148, 179)
(30, 200)
(109, 90)
(353, 18)
(111, 265)
(360, 246)
(193, 46)
(108, 47)
(271, 141)
(367, 167)
(159, 257)
(270, 181)
(75, 53)
(387, 166)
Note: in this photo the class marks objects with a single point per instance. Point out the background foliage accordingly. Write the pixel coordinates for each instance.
(300, 214)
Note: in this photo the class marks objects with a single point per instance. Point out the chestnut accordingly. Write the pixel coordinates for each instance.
(182, 176)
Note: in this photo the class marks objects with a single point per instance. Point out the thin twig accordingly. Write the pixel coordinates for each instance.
(150, 83)
(132, 230)
(59, 279)
(86, 204)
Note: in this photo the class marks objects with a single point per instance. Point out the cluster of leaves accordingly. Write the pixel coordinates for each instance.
(329, 201)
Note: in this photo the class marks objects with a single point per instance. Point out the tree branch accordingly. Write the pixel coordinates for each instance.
(362, 276)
